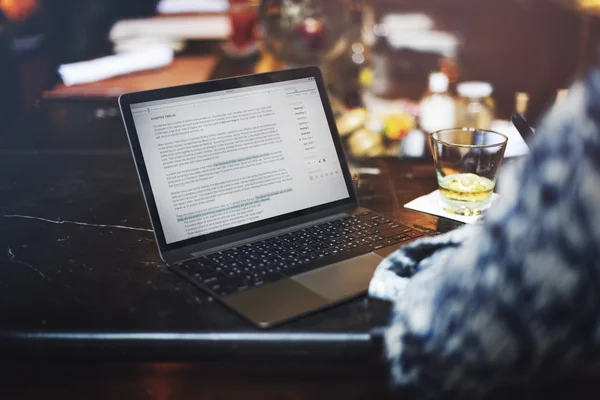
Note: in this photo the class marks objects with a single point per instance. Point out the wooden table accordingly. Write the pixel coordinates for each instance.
(183, 70)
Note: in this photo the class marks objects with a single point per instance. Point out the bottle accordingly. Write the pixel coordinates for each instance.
(521, 102)
(437, 108)
(561, 95)
(475, 106)
(516, 145)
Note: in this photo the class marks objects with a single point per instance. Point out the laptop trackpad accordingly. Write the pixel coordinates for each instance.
(341, 280)
(275, 302)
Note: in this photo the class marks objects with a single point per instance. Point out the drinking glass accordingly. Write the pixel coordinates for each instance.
(305, 32)
(467, 161)
(243, 16)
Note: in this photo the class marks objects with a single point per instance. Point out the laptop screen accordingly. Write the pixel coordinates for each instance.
(229, 158)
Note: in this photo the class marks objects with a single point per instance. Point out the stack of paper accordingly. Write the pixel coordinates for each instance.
(120, 64)
(178, 22)
(172, 29)
(516, 146)
(192, 6)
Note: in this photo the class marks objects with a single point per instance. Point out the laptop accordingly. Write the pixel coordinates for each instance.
(250, 194)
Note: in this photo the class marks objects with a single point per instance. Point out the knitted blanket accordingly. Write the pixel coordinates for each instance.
(517, 293)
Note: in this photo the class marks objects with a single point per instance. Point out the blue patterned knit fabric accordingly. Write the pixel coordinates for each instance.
(517, 293)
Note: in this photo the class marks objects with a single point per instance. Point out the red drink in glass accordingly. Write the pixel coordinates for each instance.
(243, 15)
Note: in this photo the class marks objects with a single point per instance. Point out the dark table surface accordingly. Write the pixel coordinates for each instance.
(81, 275)
(81, 281)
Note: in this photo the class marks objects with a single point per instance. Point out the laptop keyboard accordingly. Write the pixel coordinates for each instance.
(258, 263)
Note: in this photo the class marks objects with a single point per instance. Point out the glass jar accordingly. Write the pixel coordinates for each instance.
(475, 106)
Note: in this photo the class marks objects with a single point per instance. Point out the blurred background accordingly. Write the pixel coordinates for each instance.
(378, 58)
